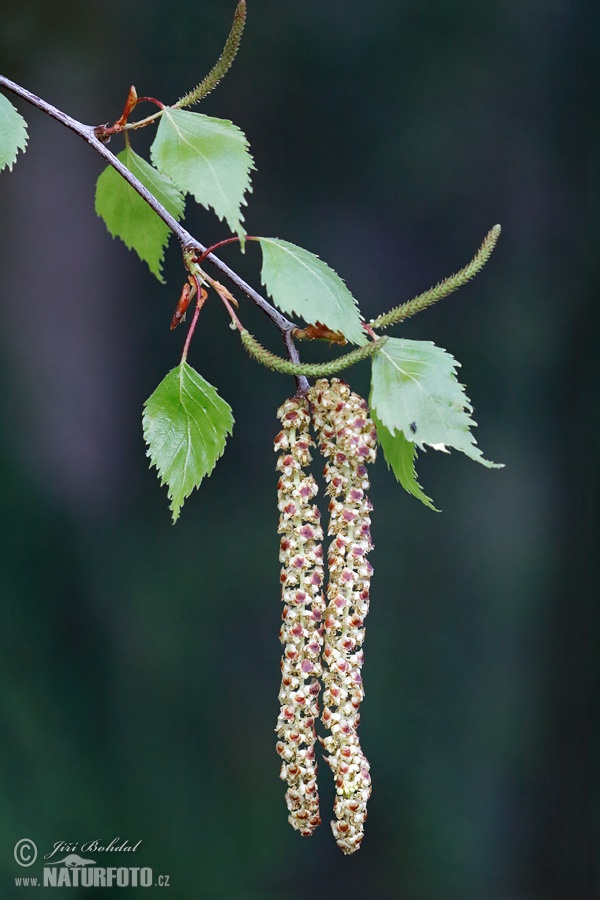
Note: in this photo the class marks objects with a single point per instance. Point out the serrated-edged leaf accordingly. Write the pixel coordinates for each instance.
(302, 284)
(400, 455)
(128, 216)
(13, 133)
(186, 425)
(207, 158)
(415, 390)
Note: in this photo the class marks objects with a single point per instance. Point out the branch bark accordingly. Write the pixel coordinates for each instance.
(187, 240)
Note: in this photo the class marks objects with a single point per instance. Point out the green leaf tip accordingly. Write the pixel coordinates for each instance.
(223, 64)
(185, 426)
(128, 216)
(400, 455)
(445, 287)
(205, 157)
(13, 133)
(302, 284)
(415, 391)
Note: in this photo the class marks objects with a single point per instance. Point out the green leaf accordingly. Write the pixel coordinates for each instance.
(400, 455)
(207, 158)
(302, 284)
(415, 391)
(13, 133)
(186, 425)
(128, 216)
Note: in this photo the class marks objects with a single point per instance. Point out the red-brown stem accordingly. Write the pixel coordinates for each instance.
(202, 295)
(231, 312)
(150, 100)
(190, 334)
(231, 240)
(372, 334)
(104, 132)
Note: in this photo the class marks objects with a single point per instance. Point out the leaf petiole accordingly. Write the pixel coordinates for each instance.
(131, 126)
(202, 295)
(213, 247)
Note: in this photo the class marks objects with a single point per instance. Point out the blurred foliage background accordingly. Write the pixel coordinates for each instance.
(140, 661)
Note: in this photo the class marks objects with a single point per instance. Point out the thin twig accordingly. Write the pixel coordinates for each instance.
(201, 296)
(190, 334)
(187, 240)
(302, 382)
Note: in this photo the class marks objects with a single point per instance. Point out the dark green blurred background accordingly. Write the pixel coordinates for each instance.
(140, 661)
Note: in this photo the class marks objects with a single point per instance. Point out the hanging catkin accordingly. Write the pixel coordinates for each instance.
(348, 440)
(301, 556)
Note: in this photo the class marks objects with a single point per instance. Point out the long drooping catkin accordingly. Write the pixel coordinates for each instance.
(301, 556)
(348, 440)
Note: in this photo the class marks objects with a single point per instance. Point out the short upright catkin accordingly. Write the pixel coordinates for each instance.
(301, 556)
(348, 440)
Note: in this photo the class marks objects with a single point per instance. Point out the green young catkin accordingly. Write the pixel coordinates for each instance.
(314, 370)
(224, 62)
(445, 287)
